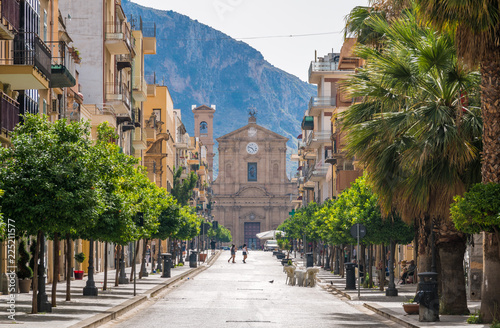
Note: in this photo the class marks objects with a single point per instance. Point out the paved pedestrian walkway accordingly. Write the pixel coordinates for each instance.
(83, 311)
(391, 306)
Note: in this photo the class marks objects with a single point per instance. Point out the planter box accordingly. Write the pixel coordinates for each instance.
(411, 308)
(24, 285)
(78, 275)
(203, 257)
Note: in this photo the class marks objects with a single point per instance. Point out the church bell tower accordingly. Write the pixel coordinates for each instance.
(204, 130)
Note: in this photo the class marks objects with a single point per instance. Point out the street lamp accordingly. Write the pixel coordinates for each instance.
(90, 289)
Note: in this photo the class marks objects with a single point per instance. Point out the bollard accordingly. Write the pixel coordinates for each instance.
(350, 276)
(167, 258)
(193, 263)
(427, 297)
(310, 260)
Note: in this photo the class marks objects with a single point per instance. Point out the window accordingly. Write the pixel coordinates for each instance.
(252, 171)
(203, 127)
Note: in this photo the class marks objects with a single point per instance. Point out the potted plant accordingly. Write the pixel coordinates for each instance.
(24, 272)
(79, 257)
(411, 307)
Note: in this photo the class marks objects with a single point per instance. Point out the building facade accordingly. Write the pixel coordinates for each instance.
(252, 191)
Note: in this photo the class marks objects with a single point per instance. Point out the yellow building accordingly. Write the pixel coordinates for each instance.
(159, 157)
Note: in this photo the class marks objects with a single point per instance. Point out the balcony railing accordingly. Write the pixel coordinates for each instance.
(63, 65)
(119, 31)
(323, 67)
(9, 112)
(29, 50)
(319, 137)
(118, 92)
(10, 12)
(322, 102)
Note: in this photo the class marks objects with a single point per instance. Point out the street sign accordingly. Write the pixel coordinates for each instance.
(354, 230)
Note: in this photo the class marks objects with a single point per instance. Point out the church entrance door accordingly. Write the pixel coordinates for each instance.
(251, 229)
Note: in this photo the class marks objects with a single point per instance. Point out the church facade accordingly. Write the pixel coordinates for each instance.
(252, 192)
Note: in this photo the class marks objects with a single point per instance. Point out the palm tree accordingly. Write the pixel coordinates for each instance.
(418, 137)
(477, 28)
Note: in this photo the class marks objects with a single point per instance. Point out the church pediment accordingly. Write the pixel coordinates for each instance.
(252, 192)
(252, 130)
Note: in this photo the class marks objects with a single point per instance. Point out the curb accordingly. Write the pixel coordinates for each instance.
(389, 316)
(118, 310)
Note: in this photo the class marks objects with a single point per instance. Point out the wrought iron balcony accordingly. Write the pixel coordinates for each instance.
(27, 66)
(9, 14)
(63, 68)
(9, 112)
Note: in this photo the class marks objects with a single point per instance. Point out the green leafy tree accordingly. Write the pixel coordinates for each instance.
(49, 179)
(182, 189)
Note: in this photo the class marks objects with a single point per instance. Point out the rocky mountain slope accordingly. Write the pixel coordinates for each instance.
(201, 65)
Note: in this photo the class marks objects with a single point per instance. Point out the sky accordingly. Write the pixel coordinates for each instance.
(258, 22)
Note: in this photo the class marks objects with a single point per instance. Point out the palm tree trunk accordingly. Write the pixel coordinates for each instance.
(69, 251)
(34, 304)
(424, 245)
(490, 295)
(453, 294)
(105, 284)
(55, 270)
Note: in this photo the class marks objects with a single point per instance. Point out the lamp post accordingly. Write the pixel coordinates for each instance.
(90, 289)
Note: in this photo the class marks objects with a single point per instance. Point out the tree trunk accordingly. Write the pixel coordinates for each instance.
(55, 270)
(453, 294)
(143, 261)
(105, 284)
(69, 251)
(136, 251)
(117, 264)
(424, 259)
(370, 266)
(34, 304)
(490, 291)
(490, 112)
(382, 268)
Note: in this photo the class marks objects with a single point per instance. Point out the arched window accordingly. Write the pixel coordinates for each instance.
(203, 127)
(275, 171)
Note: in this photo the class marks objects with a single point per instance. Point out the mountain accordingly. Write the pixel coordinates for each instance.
(201, 65)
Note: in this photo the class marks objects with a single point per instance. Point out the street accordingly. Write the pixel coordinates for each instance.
(242, 295)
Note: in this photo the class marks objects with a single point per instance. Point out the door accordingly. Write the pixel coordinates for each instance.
(251, 229)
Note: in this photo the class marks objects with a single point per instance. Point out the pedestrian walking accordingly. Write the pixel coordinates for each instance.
(233, 253)
(245, 252)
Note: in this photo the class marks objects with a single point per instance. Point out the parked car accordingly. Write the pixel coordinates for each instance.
(271, 245)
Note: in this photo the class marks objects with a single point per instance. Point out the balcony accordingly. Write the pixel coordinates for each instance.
(63, 69)
(182, 142)
(329, 69)
(9, 19)
(140, 89)
(118, 96)
(316, 139)
(149, 37)
(140, 140)
(296, 158)
(123, 61)
(118, 38)
(9, 113)
(29, 66)
(202, 171)
(319, 172)
(320, 104)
